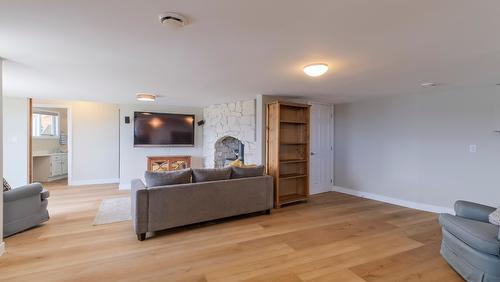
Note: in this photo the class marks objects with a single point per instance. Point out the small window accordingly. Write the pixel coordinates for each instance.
(46, 124)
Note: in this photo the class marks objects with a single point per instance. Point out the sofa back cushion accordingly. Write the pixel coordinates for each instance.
(243, 172)
(211, 174)
(154, 179)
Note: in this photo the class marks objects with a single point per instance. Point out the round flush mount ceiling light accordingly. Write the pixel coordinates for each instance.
(315, 70)
(173, 19)
(145, 97)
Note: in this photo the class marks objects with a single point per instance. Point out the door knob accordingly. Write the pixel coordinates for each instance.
(313, 153)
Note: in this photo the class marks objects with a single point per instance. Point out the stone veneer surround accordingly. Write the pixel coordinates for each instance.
(236, 119)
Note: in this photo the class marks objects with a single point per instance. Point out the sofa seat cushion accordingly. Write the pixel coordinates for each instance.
(154, 179)
(211, 174)
(244, 172)
(479, 235)
(470, 263)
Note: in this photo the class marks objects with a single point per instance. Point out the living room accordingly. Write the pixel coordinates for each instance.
(250, 140)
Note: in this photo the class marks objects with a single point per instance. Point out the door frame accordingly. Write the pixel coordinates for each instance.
(70, 137)
(30, 140)
(331, 141)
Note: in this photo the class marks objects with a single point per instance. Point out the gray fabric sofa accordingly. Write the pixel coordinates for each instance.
(164, 207)
(471, 245)
(24, 207)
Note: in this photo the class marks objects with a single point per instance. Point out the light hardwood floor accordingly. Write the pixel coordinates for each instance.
(333, 237)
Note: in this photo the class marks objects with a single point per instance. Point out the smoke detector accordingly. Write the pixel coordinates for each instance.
(173, 19)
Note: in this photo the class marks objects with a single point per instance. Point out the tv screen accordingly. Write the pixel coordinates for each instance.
(161, 129)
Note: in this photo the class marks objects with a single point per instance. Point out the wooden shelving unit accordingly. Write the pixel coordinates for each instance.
(292, 161)
(288, 151)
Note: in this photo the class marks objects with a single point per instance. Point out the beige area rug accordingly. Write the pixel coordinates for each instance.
(113, 210)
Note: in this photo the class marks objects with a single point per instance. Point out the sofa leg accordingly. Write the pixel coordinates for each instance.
(141, 237)
(268, 211)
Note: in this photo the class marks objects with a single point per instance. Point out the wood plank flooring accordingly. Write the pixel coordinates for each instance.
(333, 237)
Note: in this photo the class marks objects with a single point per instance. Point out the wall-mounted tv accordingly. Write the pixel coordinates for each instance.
(163, 129)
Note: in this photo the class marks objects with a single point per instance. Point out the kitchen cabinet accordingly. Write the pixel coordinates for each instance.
(49, 167)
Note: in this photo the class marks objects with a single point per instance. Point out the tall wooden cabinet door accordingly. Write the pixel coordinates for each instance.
(321, 140)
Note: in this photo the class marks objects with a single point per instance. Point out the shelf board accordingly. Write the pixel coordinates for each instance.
(293, 121)
(286, 199)
(292, 175)
(293, 161)
(291, 104)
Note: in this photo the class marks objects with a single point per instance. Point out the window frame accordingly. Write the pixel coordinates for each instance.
(36, 125)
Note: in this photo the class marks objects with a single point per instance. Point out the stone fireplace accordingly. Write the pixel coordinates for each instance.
(233, 121)
(228, 149)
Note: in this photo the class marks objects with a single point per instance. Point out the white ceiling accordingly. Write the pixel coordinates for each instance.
(235, 49)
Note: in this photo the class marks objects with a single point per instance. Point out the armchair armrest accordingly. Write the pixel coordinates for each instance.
(473, 211)
(22, 192)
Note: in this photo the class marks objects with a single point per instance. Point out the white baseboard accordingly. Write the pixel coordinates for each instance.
(124, 186)
(58, 177)
(94, 182)
(394, 201)
(2, 248)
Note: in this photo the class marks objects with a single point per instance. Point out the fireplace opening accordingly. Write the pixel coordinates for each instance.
(227, 150)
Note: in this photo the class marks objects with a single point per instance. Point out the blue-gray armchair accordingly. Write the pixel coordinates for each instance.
(24, 207)
(471, 245)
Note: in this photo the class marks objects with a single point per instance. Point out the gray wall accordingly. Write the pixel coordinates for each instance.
(416, 148)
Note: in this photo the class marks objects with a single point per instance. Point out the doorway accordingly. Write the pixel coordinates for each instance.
(49, 144)
(321, 140)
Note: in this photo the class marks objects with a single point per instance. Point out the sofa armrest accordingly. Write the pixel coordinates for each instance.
(22, 192)
(473, 211)
(139, 199)
(45, 194)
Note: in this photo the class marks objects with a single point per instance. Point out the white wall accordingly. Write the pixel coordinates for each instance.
(133, 160)
(416, 148)
(2, 244)
(95, 139)
(15, 140)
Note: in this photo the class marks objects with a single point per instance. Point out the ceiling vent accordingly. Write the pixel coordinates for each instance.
(173, 19)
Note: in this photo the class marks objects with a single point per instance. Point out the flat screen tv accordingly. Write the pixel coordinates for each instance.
(162, 129)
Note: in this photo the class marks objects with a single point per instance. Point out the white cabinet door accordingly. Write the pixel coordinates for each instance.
(52, 168)
(64, 165)
(55, 166)
(321, 139)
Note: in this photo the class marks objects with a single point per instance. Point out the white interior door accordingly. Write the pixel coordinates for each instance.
(321, 161)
